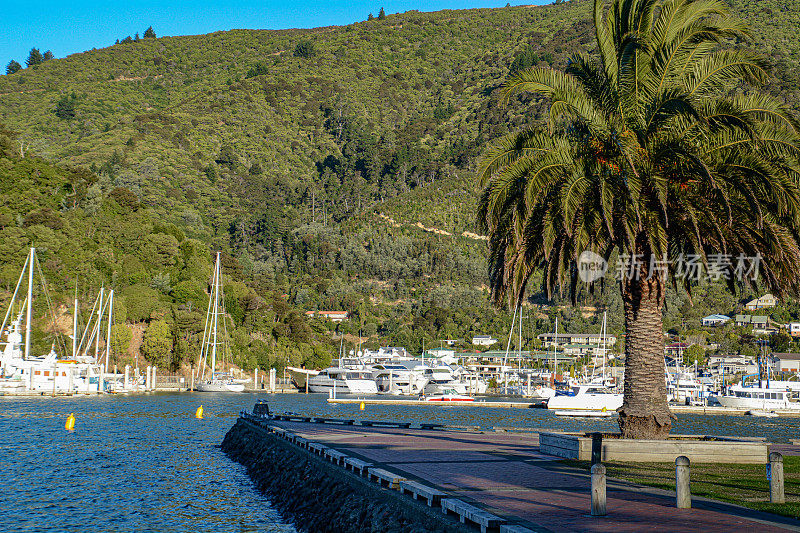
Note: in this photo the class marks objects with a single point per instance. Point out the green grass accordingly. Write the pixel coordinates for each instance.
(744, 485)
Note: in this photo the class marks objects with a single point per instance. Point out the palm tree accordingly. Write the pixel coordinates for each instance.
(659, 147)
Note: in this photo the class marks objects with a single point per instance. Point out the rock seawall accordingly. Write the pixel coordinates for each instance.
(319, 496)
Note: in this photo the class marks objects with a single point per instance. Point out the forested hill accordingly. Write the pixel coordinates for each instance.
(314, 156)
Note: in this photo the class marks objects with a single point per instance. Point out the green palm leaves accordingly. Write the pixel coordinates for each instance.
(660, 145)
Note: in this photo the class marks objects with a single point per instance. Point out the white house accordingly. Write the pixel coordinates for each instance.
(333, 316)
(715, 320)
(793, 328)
(787, 362)
(483, 340)
(763, 302)
(551, 339)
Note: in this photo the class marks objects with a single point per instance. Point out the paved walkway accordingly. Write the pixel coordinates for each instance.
(505, 474)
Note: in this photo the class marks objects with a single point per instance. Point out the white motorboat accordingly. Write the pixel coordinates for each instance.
(760, 398)
(343, 381)
(763, 414)
(440, 378)
(589, 397)
(585, 413)
(449, 395)
(400, 379)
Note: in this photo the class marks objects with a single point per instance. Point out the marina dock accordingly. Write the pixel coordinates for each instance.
(500, 480)
(529, 404)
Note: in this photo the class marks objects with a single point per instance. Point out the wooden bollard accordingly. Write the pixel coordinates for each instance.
(775, 477)
(682, 488)
(598, 490)
(597, 448)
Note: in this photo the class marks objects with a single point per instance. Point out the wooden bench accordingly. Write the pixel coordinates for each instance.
(335, 456)
(317, 448)
(419, 490)
(293, 418)
(465, 512)
(342, 421)
(513, 528)
(380, 475)
(431, 426)
(357, 465)
(382, 424)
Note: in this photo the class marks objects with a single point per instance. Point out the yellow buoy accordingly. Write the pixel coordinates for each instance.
(361, 406)
(199, 412)
(70, 424)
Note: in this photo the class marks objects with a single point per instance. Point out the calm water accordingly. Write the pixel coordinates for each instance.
(144, 463)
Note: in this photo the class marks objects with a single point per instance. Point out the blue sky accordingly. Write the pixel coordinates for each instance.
(70, 27)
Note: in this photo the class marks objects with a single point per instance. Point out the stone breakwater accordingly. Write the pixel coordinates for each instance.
(319, 496)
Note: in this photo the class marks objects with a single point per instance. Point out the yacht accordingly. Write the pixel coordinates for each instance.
(759, 398)
(440, 378)
(343, 381)
(588, 397)
(400, 379)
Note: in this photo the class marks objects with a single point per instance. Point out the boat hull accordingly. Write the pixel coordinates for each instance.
(219, 387)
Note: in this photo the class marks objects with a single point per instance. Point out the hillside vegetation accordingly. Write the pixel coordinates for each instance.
(333, 166)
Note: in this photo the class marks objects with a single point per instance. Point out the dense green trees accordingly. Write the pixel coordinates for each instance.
(157, 344)
(66, 106)
(34, 58)
(305, 49)
(149, 33)
(13, 67)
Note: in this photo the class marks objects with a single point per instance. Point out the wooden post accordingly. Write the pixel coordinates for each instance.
(598, 490)
(775, 477)
(682, 488)
(597, 448)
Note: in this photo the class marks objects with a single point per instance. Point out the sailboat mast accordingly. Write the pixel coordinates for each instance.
(519, 361)
(30, 306)
(99, 331)
(75, 324)
(108, 335)
(216, 310)
(604, 347)
(555, 352)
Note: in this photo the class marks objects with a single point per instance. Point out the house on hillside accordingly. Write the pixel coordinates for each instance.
(793, 329)
(333, 316)
(787, 362)
(483, 340)
(763, 302)
(715, 320)
(550, 340)
(676, 349)
(731, 364)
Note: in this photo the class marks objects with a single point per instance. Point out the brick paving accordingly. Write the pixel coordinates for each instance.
(505, 474)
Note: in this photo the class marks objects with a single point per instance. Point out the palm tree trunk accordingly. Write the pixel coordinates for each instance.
(644, 413)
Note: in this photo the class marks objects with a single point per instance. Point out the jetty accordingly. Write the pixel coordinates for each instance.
(489, 481)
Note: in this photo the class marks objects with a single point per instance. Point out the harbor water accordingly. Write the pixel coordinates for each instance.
(144, 463)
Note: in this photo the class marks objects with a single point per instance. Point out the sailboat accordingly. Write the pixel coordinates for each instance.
(218, 381)
(20, 370)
